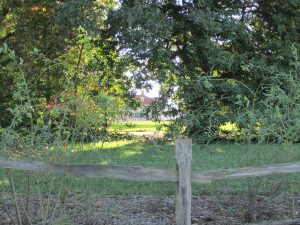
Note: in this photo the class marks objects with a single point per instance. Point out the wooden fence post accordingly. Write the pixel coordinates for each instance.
(183, 152)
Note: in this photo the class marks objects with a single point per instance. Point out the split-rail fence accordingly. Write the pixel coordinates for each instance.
(183, 176)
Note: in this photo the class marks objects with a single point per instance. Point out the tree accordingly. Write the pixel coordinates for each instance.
(67, 57)
(212, 58)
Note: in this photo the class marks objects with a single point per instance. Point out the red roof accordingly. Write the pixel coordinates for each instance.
(145, 100)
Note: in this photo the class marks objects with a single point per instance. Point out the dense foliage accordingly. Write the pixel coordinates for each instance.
(59, 66)
(216, 61)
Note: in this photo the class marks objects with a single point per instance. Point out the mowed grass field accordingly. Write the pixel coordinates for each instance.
(138, 126)
(157, 154)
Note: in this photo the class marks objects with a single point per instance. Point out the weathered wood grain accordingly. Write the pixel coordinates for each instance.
(133, 173)
(137, 173)
(246, 172)
(183, 153)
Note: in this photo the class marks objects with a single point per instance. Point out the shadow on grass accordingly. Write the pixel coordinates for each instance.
(134, 152)
(161, 155)
(130, 153)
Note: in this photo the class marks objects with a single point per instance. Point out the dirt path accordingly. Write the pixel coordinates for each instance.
(145, 210)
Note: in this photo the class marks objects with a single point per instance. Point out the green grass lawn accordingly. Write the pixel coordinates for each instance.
(138, 126)
(160, 155)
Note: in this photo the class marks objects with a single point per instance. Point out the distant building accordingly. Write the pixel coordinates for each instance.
(145, 101)
(136, 115)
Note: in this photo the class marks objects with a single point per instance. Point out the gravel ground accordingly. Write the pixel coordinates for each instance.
(142, 210)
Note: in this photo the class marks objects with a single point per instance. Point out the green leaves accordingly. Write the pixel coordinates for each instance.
(238, 47)
(215, 60)
(207, 84)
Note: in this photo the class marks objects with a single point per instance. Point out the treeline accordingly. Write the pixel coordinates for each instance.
(216, 61)
(61, 73)
(219, 61)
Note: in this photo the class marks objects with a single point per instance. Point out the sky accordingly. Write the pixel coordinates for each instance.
(152, 93)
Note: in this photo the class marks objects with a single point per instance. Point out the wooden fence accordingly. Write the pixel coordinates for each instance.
(183, 176)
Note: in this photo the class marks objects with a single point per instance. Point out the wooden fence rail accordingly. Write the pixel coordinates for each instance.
(182, 176)
(138, 173)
